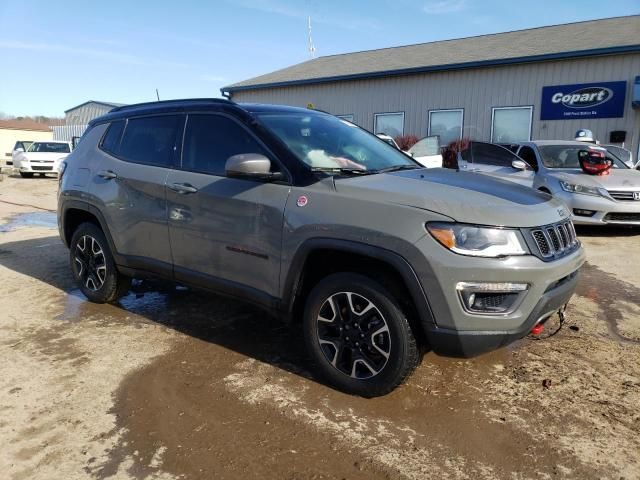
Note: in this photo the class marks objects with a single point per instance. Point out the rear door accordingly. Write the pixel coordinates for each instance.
(128, 186)
(225, 232)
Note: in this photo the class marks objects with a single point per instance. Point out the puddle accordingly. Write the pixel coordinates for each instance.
(605, 289)
(31, 219)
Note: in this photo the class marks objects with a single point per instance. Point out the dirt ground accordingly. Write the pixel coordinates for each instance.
(173, 383)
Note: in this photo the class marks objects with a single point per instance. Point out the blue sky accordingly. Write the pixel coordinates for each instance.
(57, 54)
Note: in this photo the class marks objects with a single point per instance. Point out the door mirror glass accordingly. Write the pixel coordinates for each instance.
(519, 164)
(251, 165)
(19, 149)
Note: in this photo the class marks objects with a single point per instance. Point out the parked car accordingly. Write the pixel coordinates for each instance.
(318, 222)
(41, 157)
(19, 147)
(552, 166)
(427, 152)
(623, 154)
(388, 138)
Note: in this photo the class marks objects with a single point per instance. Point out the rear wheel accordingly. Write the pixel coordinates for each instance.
(26, 174)
(93, 266)
(357, 335)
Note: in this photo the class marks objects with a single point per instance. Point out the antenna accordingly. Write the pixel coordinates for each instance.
(312, 48)
(157, 95)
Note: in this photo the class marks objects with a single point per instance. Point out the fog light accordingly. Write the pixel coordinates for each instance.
(583, 213)
(491, 298)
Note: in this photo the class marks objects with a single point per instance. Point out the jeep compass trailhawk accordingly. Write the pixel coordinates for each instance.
(320, 222)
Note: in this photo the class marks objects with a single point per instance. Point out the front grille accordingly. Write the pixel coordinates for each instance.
(39, 168)
(622, 195)
(555, 240)
(622, 217)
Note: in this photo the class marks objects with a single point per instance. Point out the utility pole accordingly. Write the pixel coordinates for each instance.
(312, 48)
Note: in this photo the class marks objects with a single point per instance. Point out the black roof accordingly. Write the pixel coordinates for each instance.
(182, 105)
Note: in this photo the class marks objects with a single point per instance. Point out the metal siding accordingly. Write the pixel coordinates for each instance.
(474, 90)
(86, 113)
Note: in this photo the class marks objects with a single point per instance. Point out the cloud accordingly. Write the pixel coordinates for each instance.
(438, 7)
(279, 8)
(124, 58)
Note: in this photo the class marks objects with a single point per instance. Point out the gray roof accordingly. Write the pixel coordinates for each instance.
(573, 40)
(107, 104)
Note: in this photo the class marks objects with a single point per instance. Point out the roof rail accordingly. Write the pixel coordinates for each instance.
(170, 102)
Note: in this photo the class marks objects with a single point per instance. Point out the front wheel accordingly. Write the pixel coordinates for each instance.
(93, 266)
(357, 335)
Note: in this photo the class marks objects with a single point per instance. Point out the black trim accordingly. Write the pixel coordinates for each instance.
(227, 288)
(293, 281)
(439, 68)
(247, 252)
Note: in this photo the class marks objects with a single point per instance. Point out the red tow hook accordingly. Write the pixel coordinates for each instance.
(537, 329)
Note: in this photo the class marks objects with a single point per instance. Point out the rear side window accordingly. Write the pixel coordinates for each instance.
(490, 154)
(150, 140)
(211, 139)
(111, 140)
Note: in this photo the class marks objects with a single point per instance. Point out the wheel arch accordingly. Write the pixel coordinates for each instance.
(74, 213)
(313, 261)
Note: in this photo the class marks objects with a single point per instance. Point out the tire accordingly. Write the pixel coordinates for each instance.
(26, 174)
(382, 353)
(93, 266)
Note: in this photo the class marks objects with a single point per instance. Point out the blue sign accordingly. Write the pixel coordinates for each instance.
(584, 100)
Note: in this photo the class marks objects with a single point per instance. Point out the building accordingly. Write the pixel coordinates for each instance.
(540, 83)
(85, 112)
(12, 131)
(77, 118)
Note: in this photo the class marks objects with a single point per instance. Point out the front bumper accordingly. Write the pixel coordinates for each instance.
(607, 211)
(37, 167)
(458, 332)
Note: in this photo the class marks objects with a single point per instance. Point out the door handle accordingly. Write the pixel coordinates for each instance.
(108, 174)
(183, 188)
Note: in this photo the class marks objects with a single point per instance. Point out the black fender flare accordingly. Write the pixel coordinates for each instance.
(394, 260)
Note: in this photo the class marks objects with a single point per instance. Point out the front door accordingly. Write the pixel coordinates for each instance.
(224, 231)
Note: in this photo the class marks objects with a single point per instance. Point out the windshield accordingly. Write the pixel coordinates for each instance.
(49, 147)
(326, 142)
(566, 156)
(621, 153)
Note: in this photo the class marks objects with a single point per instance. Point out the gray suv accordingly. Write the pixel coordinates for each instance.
(319, 222)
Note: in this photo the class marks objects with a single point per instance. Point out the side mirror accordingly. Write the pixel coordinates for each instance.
(250, 165)
(19, 149)
(519, 164)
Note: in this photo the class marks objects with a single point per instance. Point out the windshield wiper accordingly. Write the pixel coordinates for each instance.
(357, 171)
(396, 168)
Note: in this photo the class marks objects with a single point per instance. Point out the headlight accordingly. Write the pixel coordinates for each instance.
(478, 241)
(584, 189)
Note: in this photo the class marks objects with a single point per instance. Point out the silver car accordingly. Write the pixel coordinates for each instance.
(552, 166)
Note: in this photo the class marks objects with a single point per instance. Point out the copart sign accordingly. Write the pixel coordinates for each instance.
(585, 100)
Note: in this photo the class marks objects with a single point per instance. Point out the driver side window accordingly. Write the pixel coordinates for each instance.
(529, 156)
(211, 139)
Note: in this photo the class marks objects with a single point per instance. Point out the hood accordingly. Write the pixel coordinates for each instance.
(618, 178)
(463, 196)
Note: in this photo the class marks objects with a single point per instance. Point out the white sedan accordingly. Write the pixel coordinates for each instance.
(41, 157)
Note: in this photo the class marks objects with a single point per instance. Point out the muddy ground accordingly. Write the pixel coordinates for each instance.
(173, 383)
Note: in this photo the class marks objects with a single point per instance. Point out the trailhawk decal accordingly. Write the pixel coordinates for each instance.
(586, 100)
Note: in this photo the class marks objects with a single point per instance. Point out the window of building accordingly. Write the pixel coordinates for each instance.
(111, 139)
(150, 140)
(446, 124)
(211, 139)
(348, 118)
(391, 124)
(511, 124)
